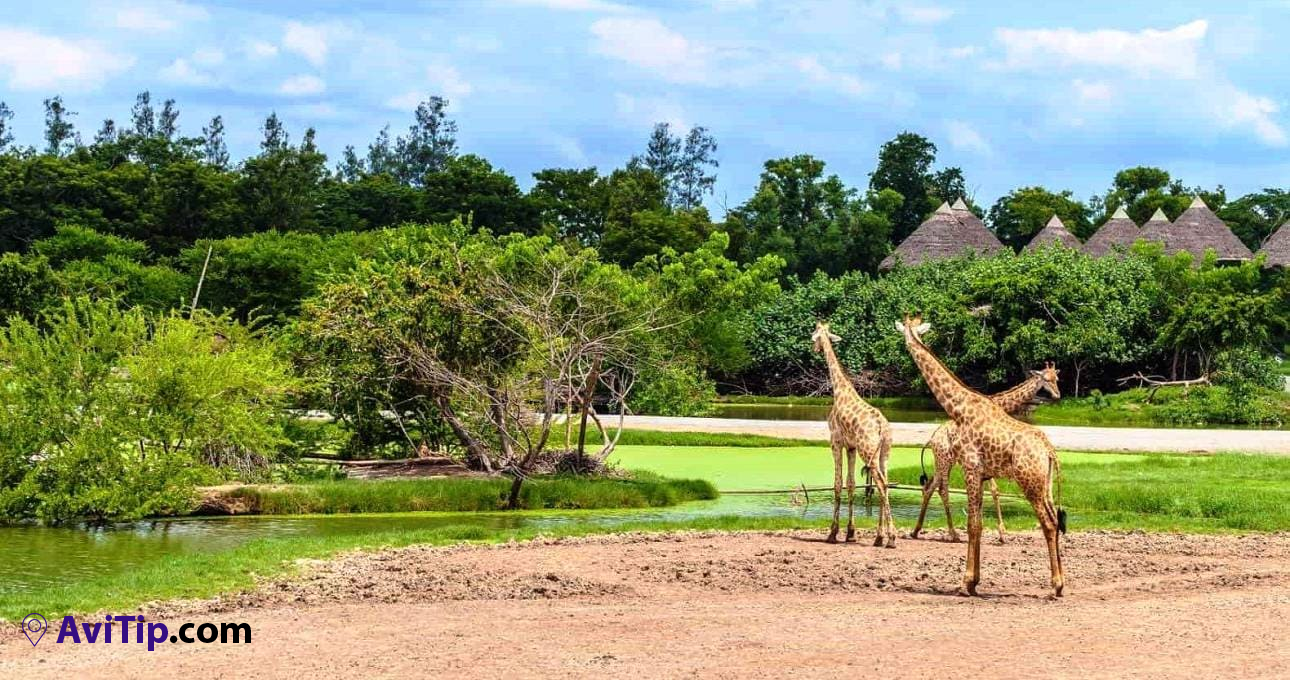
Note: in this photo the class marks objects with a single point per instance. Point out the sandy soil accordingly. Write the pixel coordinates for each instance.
(1064, 437)
(738, 605)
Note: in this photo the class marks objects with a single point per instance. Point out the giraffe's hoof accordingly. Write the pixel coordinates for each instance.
(877, 542)
(1057, 590)
(833, 538)
(912, 535)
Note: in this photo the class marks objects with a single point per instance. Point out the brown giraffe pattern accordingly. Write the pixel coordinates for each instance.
(992, 444)
(947, 454)
(855, 426)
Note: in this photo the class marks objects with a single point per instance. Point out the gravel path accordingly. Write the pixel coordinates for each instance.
(1066, 438)
(743, 605)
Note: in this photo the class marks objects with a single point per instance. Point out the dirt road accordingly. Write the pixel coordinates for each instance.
(738, 605)
(1066, 438)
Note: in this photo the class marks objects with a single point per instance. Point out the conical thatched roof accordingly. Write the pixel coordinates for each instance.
(1118, 233)
(945, 234)
(1277, 248)
(1053, 233)
(1196, 230)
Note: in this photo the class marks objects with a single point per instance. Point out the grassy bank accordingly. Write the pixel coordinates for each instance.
(643, 490)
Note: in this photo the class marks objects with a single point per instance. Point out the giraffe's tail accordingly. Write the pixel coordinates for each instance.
(1058, 513)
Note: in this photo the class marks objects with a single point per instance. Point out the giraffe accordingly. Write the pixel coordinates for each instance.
(993, 444)
(947, 454)
(854, 426)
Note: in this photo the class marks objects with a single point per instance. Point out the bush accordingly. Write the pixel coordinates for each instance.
(118, 414)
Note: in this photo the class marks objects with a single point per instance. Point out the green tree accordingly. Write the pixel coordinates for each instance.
(1254, 217)
(60, 133)
(815, 223)
(469, 186)
(431, 142)
(1022, 213)
(904, 166)
(573, 202)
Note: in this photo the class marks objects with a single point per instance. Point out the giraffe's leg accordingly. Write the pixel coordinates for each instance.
(851, 494)
(1047, 514)
(886, 526)
(837, 492)
(928, 490)
(998, 510)
(944, 466)
(944, 490)
(972, 577)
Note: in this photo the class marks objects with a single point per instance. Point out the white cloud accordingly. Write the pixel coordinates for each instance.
(302, 85)
(961, 52)
(891, 60)
(822, 75)
(446, 80)
(1092, 92)
(965, 137)
(1175, 63)
(648, 44)
(646, 111)
(1235, 109)
(405, 102)
(1174, 52)
(34, 61)
(158, 17)
(310, 42)
(260, 49)
(923, 14)
(182, 71)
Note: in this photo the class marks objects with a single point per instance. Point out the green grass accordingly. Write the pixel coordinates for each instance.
(1229, 492)
(643, 490)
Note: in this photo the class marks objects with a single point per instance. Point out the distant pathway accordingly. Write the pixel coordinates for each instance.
(1126, 439)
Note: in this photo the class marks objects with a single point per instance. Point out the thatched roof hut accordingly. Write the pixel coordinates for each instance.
(1053, 233)
(1196, 230)
(947, 233)
(1118, 233)
(1277, 248)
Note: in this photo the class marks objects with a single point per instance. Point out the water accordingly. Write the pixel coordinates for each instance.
(37, 556)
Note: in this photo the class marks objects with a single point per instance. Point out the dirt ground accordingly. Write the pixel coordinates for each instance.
(737, 605)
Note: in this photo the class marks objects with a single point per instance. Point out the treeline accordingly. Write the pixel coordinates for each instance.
(147, 180)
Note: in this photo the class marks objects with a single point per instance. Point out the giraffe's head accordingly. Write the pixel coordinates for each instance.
(912, 327)
(1048, 380)
(821, 333)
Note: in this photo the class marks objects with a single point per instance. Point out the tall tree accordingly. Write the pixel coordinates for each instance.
(60, 134)
(430, 144)
(692, 178)
(573, 202)
(214, 149)
(351, 168)
(904, 166)
(168, 121)
(6, 132)
(275, 134)
(142, 116)
(107, 133)
(816, 223)
(681, 164)
(380, 155)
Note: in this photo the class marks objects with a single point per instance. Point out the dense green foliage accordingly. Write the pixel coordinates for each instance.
(1098, 319)
(109, 413)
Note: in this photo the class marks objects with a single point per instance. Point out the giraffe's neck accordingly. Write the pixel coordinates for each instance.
(842, 386)
(950, 392)
(1012, 400)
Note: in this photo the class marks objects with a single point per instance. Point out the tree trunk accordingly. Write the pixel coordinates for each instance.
(589, 390)
(474, 447)
(513, 502)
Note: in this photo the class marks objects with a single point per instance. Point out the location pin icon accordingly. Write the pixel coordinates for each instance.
(33, 626)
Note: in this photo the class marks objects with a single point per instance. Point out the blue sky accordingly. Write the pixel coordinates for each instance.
(1015, 93)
